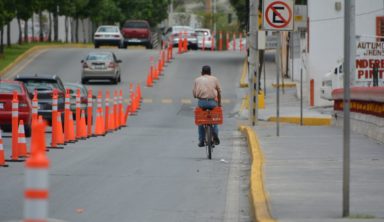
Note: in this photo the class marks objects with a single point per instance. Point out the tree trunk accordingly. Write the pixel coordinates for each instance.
(26, 31)
(50, 27)
(20, 31)
(66, 29)
(1, 42)
(56, 26)
(84, 34)
(41, 34)
(9, 34)
(33, 28)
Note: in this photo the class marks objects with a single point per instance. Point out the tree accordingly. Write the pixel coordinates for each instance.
(9, 12)
(24, 11)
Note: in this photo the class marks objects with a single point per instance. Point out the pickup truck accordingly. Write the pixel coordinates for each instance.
(137, 32)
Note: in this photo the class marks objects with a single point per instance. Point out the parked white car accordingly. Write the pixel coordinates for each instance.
(108, 35)
(204, 38)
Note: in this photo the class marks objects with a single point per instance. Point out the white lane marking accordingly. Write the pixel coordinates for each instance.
(186, 101)
(233, 186)
(167, 101)
(147, 101)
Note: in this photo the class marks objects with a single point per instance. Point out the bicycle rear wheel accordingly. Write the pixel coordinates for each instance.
(208, 140)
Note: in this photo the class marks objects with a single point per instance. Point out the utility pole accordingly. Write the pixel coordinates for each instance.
(253, 61)
(349, 71)
(170, 14)
(214, 15)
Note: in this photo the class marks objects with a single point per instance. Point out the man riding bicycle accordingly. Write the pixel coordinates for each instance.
(207, 89)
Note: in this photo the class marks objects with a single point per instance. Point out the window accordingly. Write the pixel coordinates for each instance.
(380, 27)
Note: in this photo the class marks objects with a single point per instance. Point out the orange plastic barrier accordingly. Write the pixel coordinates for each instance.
(21, 140)
(214, 116)
(90, 112)
(67, 112)
(2, 154)
(36, 191)
(15, 124)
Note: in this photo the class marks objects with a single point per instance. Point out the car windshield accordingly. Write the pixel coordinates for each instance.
(99, 57)
(40, 84)
(202, 33)
(10, 87)
(136, 25)
(107, 29)
(183, 29)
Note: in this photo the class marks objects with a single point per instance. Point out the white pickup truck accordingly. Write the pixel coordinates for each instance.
(330, 81)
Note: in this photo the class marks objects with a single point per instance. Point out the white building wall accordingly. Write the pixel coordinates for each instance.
(326, 38)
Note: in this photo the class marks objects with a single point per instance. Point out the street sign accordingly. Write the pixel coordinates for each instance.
(278, 15)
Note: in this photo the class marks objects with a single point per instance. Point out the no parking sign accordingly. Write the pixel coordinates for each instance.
(278, 15)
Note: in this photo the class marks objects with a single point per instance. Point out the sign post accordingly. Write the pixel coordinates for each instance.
(278, 16)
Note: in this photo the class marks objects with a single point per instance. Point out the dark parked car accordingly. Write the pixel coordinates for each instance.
(137, 32)
(7, 87)
(44, 85)
(73, 87)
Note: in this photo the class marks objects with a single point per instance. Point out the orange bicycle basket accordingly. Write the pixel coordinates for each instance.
(214, 116)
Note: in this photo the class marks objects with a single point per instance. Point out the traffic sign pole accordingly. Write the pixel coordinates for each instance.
(349, 57)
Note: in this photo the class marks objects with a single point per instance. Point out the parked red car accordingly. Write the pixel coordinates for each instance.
(7, 87)
(137, 32)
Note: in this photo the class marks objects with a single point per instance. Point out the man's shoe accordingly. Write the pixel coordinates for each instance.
(216, 140)
(201, 144)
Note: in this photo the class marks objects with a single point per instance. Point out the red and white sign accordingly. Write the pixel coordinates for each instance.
(278, 15)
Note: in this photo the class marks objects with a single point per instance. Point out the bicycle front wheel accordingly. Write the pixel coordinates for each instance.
(208, 141)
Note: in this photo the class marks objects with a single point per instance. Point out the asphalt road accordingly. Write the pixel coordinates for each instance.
(151, 170)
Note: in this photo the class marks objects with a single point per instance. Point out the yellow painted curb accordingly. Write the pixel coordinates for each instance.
(243, 79)
(259, 198)
(307, 121)
(285, 85)
(40, 47)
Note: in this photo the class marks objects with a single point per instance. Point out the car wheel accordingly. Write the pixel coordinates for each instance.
(84, 81)
(96, 46)
(119, 79)
(114, 81)
(125, 45)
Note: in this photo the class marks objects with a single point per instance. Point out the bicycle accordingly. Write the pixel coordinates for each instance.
(208, 118)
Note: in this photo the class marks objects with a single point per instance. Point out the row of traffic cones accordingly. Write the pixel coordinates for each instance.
(156, 69)
(115, 118)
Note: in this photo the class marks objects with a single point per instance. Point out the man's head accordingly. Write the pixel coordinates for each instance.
(206, 70)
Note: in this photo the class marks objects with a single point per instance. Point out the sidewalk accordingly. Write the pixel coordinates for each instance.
(303, 167)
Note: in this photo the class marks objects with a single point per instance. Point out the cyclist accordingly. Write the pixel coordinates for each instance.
(206, 89)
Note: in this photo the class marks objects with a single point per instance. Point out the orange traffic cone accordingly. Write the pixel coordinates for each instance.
(115, 111)
(83, 126)
(149, 80)
(71, 134)
(21, 140)
(60, 133)
(35, 137)
(2, 155)
(122, 119)
(99, 129)
(111, 121)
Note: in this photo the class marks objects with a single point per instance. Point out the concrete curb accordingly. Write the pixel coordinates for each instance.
(259, 199)
(285, 85)
(243, 79)
(307, 121)
(37, 48)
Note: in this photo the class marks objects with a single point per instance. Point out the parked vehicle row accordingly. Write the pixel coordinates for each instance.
(133, 32)
(138, 32)
(25, 86)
